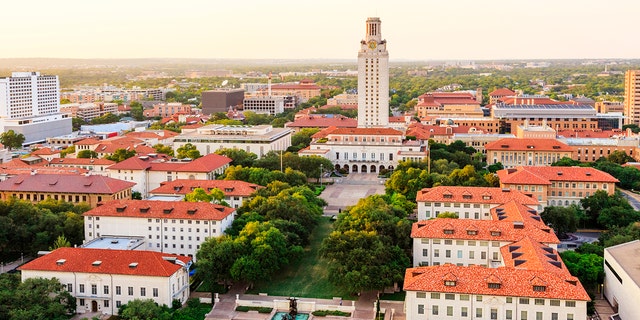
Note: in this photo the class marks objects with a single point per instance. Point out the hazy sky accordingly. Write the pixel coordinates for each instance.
(299, 29)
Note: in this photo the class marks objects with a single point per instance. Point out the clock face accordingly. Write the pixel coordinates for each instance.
(373, 44)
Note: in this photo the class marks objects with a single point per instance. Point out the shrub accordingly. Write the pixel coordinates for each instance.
(324, 313)
(259, 309)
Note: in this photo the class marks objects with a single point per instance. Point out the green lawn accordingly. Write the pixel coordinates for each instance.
(306, 277)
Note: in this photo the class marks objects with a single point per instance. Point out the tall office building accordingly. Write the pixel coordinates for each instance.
(373, 78)
(30, 104)
(632, 97)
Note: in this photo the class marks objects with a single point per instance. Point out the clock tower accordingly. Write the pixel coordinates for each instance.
(373, 78)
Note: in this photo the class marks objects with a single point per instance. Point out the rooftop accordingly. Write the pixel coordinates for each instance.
(545, 175)
(161, 209)
(53, 183)
(473, 195)
(530, 144)
(229, 187)
(628, 257)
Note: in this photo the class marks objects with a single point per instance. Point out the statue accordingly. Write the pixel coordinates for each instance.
(293, 310)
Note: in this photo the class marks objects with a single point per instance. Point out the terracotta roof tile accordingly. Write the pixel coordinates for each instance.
(367, 131)
(514, 282)
(81, 161)
(474, 195)
(64, 183)
(149, 263)
(318, 121)
(161, 209)
(207, 163)
(538, 175)
(229, 187)
(515, 144)
(502, 92)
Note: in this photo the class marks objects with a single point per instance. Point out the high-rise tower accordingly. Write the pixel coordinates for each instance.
(632, 97)
(373, 78)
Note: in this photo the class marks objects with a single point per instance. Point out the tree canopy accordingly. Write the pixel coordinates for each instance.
(35, 298)
(12, 140)
(188, 151)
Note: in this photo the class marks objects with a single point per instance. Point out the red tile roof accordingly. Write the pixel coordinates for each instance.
(229, 187)
(87, 142)
(19, 163)
(569, 133)
(152, 134)
(514, 211)
(64, 184)
(545, 175)
(514, 282)
(81, 260)
(45, 152)
(473, 195)
(81, 161)
(528, 100)
(531, 144)
(367, 131)
(531, 255)
(502, 92)
(425, 132)
(490, 230)
(161, 209)
(318, 121)
(42, 170)
(207, 163)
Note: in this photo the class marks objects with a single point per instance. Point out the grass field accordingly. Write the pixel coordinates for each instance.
(306, 277)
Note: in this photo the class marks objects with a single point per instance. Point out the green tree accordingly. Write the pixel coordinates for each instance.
(448, 215)
(217, 256)
(589, 268)
(87, 154)
(12, 140)
(618, 216)
(40, 298)
(136, 195)
(562, 219)
(620, 157)
(188, 151)
(137, 111)
(198, 195)
(593, 205)
(161, 148)
(139, 309)
(60, 242)
(566, 162)
(302, 139)
(121, 155)
(105, 118)
(493, 168)
(68, 150)
(77, 123)
(238, 156)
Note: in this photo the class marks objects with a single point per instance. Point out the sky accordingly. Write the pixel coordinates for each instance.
(326, 29)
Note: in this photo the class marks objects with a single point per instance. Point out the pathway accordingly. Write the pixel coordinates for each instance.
(348, 190)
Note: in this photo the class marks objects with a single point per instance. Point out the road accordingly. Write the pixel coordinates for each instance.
(634, 199)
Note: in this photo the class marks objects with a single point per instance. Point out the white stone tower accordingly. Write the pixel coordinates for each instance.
(373, 78)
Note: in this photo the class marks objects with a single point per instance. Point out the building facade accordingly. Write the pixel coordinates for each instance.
(632, 97)
(235, 191)
(557, 186)
(103, 280)
(622, 279)
(373, 78)
(30, 105)
(527, 152)
(219, 100)
(175, 227)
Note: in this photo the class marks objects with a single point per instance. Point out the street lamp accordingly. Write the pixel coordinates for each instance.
(321, 176)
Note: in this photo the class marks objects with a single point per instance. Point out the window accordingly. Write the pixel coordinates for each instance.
(554, 316)
(508, 315)
(509, 300)
(130, 289)
(421, 309)
(539, 288)
(569, 316)
(479, 298)
(449, 311)
(450, 283)
(464, 312)
(118, 290)
(118, 303)
(434, 310)
(524, 300)
(435, 295)
(436, 253)
(494, 314)
(464, 297)
(69, 287)
(449, 296)
(447, 253)
(539, 302)
(478, 312)
(570, 304)
(555, 303)
(106, 303)
(81, 288)
(425, 253)
(143, 292)
(82, 302)
(471, 254)
(106, 289)
(538, 315)
(155, 292)
(523, 315)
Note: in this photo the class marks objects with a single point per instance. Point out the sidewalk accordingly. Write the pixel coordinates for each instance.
(12, 265)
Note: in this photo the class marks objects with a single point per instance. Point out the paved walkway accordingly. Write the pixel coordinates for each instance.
(348, 190)
(12, 265)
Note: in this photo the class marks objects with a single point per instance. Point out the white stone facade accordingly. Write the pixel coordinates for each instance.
(373, 78)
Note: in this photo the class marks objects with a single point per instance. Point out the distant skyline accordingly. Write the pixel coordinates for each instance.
(329, 29)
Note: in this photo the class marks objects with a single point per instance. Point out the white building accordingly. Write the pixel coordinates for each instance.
(256, 139)
(467, 202)
(622, 279)
(373, 78)
(150, 171)
(175, 227)
(364, 149)
(30, 105)
(102, 280)
(270, 105)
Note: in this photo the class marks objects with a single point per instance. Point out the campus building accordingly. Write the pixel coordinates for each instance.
(373, 78)
(235, 191)
(512, 152)
(557, 186)
(30, 105)
(622, 279)
(102, 280)
(176, 227)
(632, 97)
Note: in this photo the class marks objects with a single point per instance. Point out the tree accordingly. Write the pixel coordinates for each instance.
(617, 216)
(137, 111)
(60, 242)
(589, 268)
(493, 168)
(198, 195)
(238, 156)
(68, 150)
(138, 309)
(87, 154)
(598, 201)
(562, 219)
(40, 298)
(566, 162)
(448, 215)
(188, 151)
(136, 195)
(77, 123)
(302, 139)
(161, 148)
(121, 155)
(105, 118)
(620, 157)
(12, 140)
